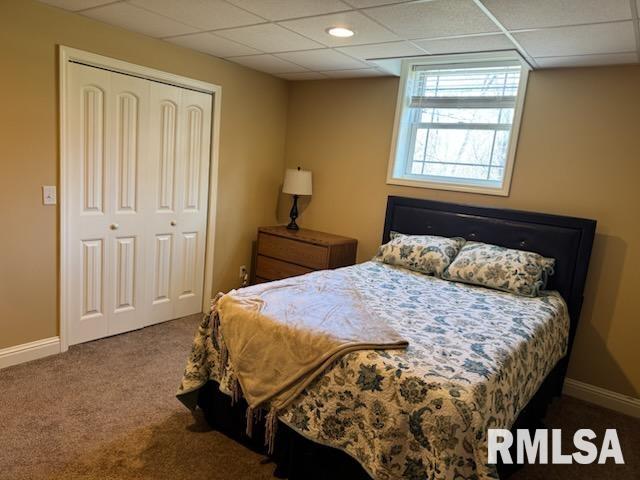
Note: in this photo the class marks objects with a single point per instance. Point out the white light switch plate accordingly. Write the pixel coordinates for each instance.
(49, 195)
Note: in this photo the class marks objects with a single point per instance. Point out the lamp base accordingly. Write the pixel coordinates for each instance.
(293, 214)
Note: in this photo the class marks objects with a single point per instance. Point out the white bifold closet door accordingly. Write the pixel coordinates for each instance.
(138, 188)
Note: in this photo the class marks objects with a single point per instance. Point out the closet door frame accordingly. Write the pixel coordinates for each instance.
(69, 55)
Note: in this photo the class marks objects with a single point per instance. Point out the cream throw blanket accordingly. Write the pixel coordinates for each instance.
(280, 336)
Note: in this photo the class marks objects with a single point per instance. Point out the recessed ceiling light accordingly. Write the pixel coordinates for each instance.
(341, 32)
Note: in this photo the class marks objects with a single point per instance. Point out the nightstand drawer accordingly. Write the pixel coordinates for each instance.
(300, 253)
(272, 269)
(282, 253)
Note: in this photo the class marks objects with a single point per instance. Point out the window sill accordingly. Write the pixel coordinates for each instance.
(454, 187)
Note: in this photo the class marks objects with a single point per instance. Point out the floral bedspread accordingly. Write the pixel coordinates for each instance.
(475, 358)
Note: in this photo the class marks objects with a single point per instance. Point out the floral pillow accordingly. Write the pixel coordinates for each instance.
(422, 253)
(515, 271)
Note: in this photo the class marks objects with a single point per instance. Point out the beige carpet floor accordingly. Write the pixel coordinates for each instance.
(106, 410)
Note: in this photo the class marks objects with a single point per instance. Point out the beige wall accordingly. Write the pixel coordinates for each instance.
(251, 152)
(578, 154)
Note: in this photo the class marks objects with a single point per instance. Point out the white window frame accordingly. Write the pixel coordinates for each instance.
(401, 122)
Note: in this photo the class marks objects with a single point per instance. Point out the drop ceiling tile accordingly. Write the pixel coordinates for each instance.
(212, 44)
(475, 43)
(366, 30)
(437, 18)
(322, 60)
(203, 14)
(282, 9)
(371, 3)
(75, 5)
(268, 63)
(269, 38)
(520, 14)
(587, 60)
(580, 40)
(138, 20)
(382, 50)
(303, 76)
(358, 73)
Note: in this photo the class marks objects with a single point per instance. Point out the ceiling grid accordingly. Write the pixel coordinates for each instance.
(288, 38)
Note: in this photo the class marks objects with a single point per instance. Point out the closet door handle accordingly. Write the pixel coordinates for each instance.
(114, 226)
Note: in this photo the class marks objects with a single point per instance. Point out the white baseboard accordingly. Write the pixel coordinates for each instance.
(29, 351)
(602, 397)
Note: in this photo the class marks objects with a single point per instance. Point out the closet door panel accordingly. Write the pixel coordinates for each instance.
(160, 167)
(129, 140)
(192, 192)
(88, 208)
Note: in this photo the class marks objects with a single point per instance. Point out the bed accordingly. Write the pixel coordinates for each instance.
(477, 358)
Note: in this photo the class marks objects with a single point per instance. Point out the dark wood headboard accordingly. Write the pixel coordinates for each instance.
(567, 239)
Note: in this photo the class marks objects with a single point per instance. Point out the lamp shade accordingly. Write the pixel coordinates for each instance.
(297, 182)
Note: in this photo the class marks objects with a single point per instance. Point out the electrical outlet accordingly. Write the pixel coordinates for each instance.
(244, 275)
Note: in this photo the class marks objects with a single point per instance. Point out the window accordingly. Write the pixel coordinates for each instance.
(457, 125)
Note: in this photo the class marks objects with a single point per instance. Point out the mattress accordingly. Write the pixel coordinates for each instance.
(475, 358)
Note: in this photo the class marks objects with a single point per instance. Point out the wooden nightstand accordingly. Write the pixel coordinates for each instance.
(283, 253)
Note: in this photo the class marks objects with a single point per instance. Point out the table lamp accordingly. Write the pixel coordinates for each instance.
(296, 182)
